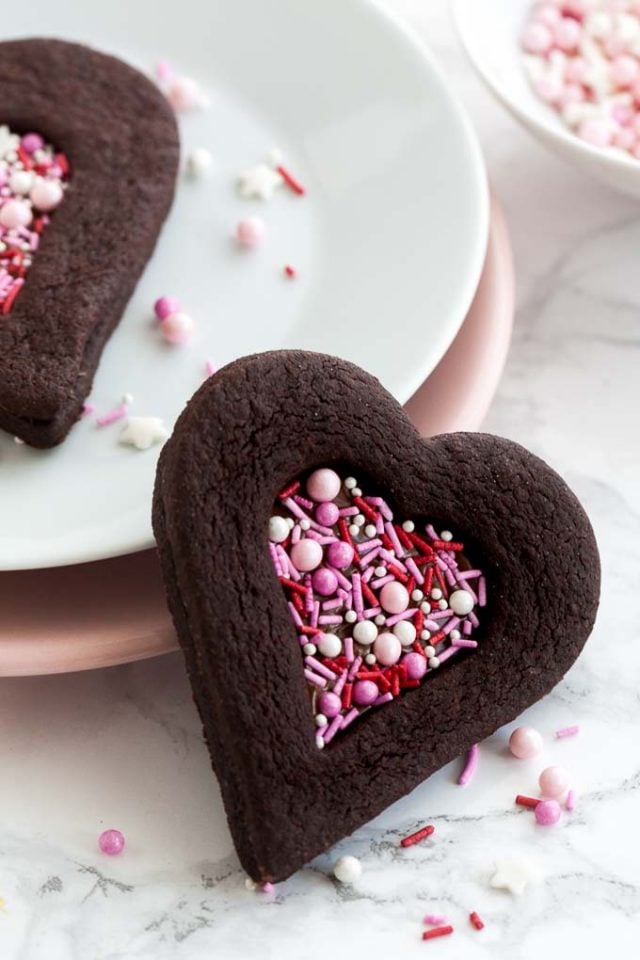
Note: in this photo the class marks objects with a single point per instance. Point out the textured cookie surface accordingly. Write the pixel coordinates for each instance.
(121, 140)
(250, 430)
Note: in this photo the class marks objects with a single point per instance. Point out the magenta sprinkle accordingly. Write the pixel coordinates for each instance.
(568, 732)
(114, 415)
(210, 368)
(332, 596)
(470, 766)
(570, 801)
(435, 919)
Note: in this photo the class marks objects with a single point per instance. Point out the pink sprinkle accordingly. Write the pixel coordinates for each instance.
(331, 730)
(393, 536)
(570, 802)
(372, 612)
(295, 616)
(357, 594)
(355, 666)
(87, 409)
(116, 414)
(414, 570)
(315, 679)
(319, 668)
(397, 617)
(461, 642)
(348, 648)
(435, 919)
(384, 698)
(349, 718)
(339, 684)
(349, 512)
(210, 368)
(470, 765)
(164, 70)
(267, 887)
(568, 732)
(329, 619)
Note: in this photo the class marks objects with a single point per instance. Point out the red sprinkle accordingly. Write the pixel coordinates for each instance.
(448, 545)
(291, 181)
(290, 271)
(476, 920)
(369, 595)
(292, 585)
(344, 531)
(402, 536)
(418, 836)
(527, 801)
(14, 290)
(437, 932)
(346, 695)
(364, 507)
(289, 491)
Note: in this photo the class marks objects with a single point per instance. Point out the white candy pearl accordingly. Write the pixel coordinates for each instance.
(436, 593)
(379, 619)
(380, 571)
(347, 869)
(408, 526)
(370, 530)
(350, 483)
(329, 645)
(370, 659)
(291, 523)
(417, 596)
(365, 632)
(461, 602)
(278, 529)
(356, 492)
(351, 616)
(319, 741)
(21, 182)
(305, 524)
(434, 662)
(321, 720)
(442, 604)
(446, 535)
(353, 530)
(198, 162)
(425, 635)
(429, 651)
(358, 520)
(455, 634)
(405, 632)
(309, 649)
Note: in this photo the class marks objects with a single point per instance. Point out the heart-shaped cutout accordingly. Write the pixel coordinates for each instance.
(119, 137)
(252, 429)
(378, 605)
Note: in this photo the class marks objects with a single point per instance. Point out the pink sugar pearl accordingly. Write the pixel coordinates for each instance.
(323, 485)
(548, 14)
(624, 71)
(45, 195)
(330, 704)
(624, 139)
(537, 38)
(572, 93)
(340, 554)
(32, 142)
(596, 131)
(324, 582)
(306, 555)
(525, 742)
(576, 70)
(176, 328)
(549, 89)
(164, 306)
(566, 34)
(111, 842)
(415, 665)
(15, 213)
(547, 813)
(554, 781)
(365, 692)
(327, 513)
(394, 598)
(184, 94)
(250, 231)
(387, 649)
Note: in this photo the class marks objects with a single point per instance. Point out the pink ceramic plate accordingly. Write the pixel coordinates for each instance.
(113, 611)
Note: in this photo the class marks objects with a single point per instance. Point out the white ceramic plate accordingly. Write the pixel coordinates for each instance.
(490, 31)
(393, 230)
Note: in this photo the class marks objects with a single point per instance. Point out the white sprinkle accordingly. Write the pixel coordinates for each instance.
(198, 162)
(351, 616)
(305, 524)
(354, 530)
(434, 662)
(356, 492)
(429, 651)
(417, 595)
(350, 483)
(408, 526)
(309, 649)
(370, 530)
(358, 520)
(446, 535)
(379, 619)
(436, 593)
(347, 869)
(321, 720)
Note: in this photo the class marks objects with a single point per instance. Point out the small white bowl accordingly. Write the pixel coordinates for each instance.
(490, 32)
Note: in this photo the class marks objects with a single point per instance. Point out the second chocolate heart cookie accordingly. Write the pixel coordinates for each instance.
(356, 605)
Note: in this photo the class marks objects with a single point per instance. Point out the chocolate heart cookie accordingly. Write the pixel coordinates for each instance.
(356, 605)
(90, 144)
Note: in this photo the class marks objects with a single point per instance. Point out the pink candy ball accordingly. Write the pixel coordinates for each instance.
(176, 328)
(306, 555)
(394, 597)
(416, 665)
(330, 704)
(576, 70)
(184, 94)
(548, 89)
(324, 582)
(340, 554)
(624, 139)
(387, 649)
(327, 513)
(554, 781)
(164, 306)
(15, 213)
(548, 14)
(547, 813)
(365, 692)
(537, 38)
(525, 742)
(45, 195)
(32, 142)
(250, 231)
(624, 71)
(596, 131)
(111, 842)
(323, 485)
(566, 34)
(572, 93)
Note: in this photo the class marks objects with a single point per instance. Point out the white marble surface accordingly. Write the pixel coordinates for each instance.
(122, 747)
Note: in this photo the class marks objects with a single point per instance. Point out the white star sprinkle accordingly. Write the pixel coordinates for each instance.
(260, 181)
(515, 875)
(143, 432)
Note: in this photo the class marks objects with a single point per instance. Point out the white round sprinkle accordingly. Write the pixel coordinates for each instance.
(347, 869)
(198, 162)
(278, 529)
(358, 520)
(380, 619)
(425, 607)
(461, 602)
(405, 632)
(309, 649)
(446, 535)
(365, 632)
(329, 645)
(250, 884)
(21, 182)
(370, 659)
(350, 483)
(321, 720)
(319, 741)
(351, 616)
(442, 604)
(305, 524)
(370, 531)
(455, 634)
(291, 523)
(436, 593)
(353, 530)
(408, 526)
(356, 492)
(429, 651)
(434, 662)
(417, 595)
(425, 635)
(127, 398)
(275, 157)
(380, 571)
